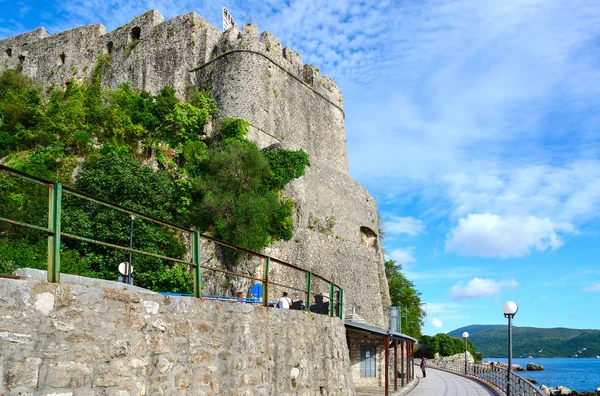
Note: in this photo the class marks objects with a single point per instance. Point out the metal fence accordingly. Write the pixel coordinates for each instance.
(498, 377)
(327, 296)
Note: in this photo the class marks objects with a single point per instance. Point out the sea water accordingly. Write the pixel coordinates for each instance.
(581, 374)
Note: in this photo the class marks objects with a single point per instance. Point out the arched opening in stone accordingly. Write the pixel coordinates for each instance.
(109, 47)
(136, 32)
(9, 52)
(368, 237)
(21, 58)
(62, 58)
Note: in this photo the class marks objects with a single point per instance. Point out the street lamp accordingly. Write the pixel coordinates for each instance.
(510, 309)
(465, 336)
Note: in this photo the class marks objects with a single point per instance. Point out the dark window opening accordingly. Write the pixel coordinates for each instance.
(109, 47)
(368, 237)
(21, 58)
(62, 58)
(136, 32)
(9, 52)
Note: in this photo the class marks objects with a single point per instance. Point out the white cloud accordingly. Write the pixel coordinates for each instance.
(467, 124)
(403, 225)
(437, 323)
(402, 256)
(490, 235)
(593, 288)
(480, 288)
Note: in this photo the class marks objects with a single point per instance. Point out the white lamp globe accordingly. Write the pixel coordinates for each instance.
(465, 335)
(510, 308)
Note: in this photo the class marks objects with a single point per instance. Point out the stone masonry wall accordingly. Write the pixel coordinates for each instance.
(77, 340)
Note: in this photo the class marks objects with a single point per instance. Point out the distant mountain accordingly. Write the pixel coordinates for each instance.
(491, 341)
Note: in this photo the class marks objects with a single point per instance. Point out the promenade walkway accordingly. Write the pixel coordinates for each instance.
(442, 383)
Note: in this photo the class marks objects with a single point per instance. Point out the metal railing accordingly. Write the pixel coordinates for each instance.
(491, 374)
(335, 296)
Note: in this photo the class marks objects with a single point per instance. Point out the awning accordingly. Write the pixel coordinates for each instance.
(377, 331)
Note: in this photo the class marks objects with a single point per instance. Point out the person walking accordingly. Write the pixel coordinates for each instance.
(424, 366)
(285, 302)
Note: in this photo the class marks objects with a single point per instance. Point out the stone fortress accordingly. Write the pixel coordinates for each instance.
(71, 339)
(251, 76)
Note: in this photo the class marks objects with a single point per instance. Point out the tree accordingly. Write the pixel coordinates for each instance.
(404, 295)
(446, 345)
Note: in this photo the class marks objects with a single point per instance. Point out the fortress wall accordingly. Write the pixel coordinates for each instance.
(54, 60)
(289, 103)
(14, 47)
(148, 52)
(348, 264)
(162, 56)
(281, 107)
(76, 340)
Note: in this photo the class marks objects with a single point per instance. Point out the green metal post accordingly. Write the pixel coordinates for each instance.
(341, 304)
(197, 269)
(308, 281)
(54, 215)
(331, 299)
(266, 281)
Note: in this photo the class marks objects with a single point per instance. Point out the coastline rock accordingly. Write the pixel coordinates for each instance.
(534, 367)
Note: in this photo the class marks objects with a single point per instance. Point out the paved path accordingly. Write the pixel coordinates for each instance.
(441, 383)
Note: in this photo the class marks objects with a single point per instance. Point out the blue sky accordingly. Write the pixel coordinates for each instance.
(473, 123)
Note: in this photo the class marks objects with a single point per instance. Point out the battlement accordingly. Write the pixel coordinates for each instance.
(285, 57)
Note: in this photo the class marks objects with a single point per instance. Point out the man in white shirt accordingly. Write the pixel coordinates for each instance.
(285, 302)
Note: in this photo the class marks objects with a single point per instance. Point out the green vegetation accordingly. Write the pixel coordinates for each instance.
(531, 341)
(446, 345)
(148, 152)
(404, 295)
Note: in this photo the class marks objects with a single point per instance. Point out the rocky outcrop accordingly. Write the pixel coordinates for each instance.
(515, 367)
(534, 367)
(564, 391)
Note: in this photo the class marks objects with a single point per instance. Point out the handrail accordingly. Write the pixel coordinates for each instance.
(55, 233)
(492, 375)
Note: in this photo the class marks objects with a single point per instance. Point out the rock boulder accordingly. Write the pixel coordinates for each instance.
(534, 367)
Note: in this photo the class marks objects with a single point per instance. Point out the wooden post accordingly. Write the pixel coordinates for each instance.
(387, 364)
(402, 361)
(412, 359)
(395, 365)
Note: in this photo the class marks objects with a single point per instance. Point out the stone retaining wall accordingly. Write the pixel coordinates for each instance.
(76, 340)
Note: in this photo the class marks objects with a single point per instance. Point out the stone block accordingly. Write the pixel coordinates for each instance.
(271, 43)
(68, 375)
(250, 32)
(25, 373)
(293, 57)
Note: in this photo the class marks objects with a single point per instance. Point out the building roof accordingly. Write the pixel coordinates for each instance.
(376, 330)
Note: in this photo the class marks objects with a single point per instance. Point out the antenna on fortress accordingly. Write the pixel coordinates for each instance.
(228, 21)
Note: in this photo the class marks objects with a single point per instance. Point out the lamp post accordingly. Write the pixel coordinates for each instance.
(465, 336)
(510, 309)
